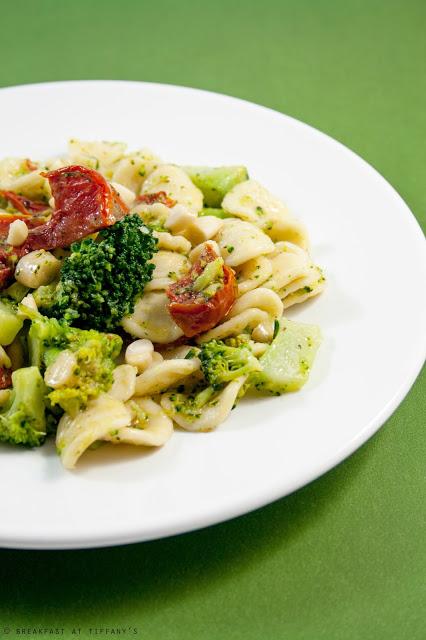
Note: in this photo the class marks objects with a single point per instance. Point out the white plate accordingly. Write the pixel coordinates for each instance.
(373, 316)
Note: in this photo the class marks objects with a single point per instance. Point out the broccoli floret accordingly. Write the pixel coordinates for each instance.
(91, 358)
(191, 403)
(221, 363)
(23, 419)
(102, 277)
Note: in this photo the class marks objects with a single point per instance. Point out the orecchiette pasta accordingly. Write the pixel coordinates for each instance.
(151, 320)
(164, 375)
(140, 421)
(126, 195)
(240, 241)
(124, 382)
(198, 250)
(169, 267)
(253, 273)
(153, 214)
(211, 415)
(176, 184)
(198, 230)
(247, 319)
(17, 177)
(103, 416)
(96, 155)
(287, 265)
(149, 426)
(250, 201)
(304, 288)
(170, 242)
(260, 298)
(132, 170)
(139, 354)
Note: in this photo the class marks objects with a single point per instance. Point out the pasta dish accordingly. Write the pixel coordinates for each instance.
(138, 296)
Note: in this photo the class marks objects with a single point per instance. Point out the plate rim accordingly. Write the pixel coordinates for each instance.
(219, 515)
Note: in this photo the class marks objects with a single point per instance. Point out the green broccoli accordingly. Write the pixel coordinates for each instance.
(101, 279)
(23, 418)
(10, 322)
(288, 359)
(91, 360)
(190, 403)
(215, 182)
(221, 363)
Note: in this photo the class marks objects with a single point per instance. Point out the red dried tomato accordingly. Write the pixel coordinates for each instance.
(190, 309)
(84, 204)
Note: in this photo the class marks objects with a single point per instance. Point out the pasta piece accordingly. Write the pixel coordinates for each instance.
(195, 229)
(103, 415)
(139, 354)
(56, 163)
(181, 351)
(172, 243)
(250, 201)
(253, 274)
(100, 156)
(235, 326)
(304, 288)
(288, 263)
(10, 169)
(213, 413)
(151, 319)
(127, 195)
(198, 250)
(16, 176)
(260, 298)
(179, 219)
(156, 359)
(149, 425)
(124, 382)
(169, 267)
(165, 375)
(132, 170)
(241, 241)
(156, 213)
(177, 185)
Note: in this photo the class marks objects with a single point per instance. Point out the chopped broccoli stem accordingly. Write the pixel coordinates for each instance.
(215, 182)
(212, 272)
(288, 359)
(10, 322)
(16, 291)
(23, 418)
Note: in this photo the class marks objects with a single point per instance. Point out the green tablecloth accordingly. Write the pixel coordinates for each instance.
(344, 557)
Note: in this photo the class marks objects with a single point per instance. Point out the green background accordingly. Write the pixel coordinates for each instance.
(343, 558)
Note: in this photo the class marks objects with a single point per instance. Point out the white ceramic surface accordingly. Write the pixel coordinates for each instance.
(373, 316)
